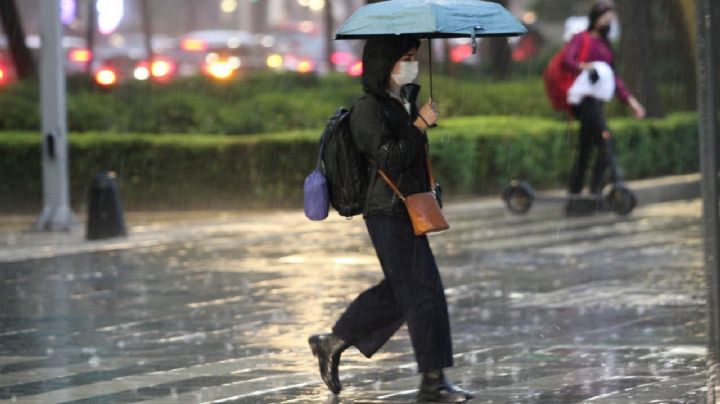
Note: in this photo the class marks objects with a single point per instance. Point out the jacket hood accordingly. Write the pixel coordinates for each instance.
(379, 57)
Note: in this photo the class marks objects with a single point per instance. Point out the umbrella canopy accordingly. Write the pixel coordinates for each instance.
(431, 19)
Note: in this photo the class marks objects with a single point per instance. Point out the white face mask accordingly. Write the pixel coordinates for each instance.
(408, 73)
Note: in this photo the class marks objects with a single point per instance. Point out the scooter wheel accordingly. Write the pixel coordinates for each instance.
(621, 200)
(518, 197)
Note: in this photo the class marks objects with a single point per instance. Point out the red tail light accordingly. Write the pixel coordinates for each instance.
(341, 58)
(162, 69)
(356, 70)
(106, 77)
(305, 66)
(80, 55)
(193, 45)
(460, 53)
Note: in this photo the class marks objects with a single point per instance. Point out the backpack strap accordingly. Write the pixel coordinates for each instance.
(326, 133)
(585, 49)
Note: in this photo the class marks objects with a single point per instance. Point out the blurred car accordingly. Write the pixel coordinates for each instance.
(220, 54)
(304, 52)
(7, 70)
(122, 57)
(77, 55)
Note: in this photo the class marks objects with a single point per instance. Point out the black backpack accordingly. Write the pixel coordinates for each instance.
(345, 168)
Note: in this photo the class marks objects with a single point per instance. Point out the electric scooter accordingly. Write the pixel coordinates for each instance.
(519, 196)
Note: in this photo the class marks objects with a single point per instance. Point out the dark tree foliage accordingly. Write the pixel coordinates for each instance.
(12, 24)
(638, 53)
(499, 53)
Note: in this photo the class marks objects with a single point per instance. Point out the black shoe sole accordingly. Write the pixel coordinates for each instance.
(431, 398)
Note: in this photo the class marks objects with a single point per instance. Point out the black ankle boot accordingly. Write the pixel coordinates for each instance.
(435, 388)
(328, 348)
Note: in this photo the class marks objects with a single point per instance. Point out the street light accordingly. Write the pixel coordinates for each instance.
(228, 6)
(316, 5)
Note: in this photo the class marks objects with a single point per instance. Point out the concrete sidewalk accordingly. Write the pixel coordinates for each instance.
(215, 309)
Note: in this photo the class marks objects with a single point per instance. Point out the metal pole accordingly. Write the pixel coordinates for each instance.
(56, 214)
(707, 108)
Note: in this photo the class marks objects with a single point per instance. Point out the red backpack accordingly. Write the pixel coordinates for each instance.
(559, 78)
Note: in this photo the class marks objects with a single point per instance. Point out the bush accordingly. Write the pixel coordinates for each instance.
(259, 103)
(469, 155)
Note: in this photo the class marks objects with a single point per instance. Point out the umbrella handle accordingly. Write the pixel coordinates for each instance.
(473, 38)
(430, 65)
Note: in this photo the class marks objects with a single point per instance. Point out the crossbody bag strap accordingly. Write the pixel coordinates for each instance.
(394, 187)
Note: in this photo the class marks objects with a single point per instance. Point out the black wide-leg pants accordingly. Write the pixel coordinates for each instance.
(412, 292)
(592, 125)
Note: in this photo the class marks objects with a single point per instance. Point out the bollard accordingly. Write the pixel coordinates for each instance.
(105, 213)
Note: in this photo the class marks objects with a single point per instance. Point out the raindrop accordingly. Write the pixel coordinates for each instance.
(94, 361)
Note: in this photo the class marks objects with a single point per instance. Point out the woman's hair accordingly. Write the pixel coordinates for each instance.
(379, 57)
(597, 11)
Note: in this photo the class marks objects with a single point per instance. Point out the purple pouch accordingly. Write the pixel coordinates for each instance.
(316, 198)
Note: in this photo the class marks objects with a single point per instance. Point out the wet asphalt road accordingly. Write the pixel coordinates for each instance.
(543, 309)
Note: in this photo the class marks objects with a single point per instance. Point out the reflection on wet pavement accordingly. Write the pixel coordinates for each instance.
(544, 310)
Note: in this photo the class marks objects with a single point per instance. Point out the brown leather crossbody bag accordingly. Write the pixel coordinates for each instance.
(423, 207)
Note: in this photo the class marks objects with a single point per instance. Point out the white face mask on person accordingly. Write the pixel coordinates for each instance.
(408, 73)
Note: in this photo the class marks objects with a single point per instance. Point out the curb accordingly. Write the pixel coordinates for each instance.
(650, 191)
(17, 244)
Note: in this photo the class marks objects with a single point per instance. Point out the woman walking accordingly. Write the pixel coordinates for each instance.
(585, 48)
(390, 132)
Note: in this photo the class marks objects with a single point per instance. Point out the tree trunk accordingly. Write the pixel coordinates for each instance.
(329, 31)
(260, 16)
(90, 34)
(681, 15)
(22, 58)
(499, 53)
(147, 31)
(451, 69)
(637, 50)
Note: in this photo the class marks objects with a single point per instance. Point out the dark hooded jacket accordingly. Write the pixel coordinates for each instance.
(384, 131)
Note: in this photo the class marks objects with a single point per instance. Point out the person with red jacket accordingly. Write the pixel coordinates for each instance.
(587, 47)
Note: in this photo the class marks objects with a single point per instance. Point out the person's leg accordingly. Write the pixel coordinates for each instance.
(367, 323)
(583, 113)
(425, 309)
(370, 320)
(375, 315)
(601, 142)
(413, 278)
(412, 271)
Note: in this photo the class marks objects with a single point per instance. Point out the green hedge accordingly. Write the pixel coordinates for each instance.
(470, 155)
(261, 103)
